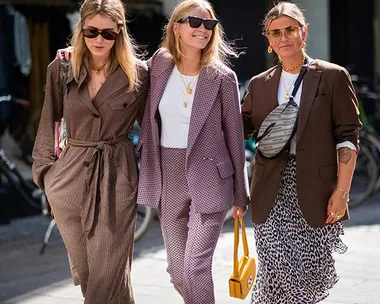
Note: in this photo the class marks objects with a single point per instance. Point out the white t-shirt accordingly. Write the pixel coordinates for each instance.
(175, 110)
(286, 87)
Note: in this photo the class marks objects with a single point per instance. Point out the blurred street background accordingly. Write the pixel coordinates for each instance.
(345, 32)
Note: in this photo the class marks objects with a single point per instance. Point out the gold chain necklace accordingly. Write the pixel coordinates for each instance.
(188, 86)
(294, 67)
(98, 69)
(287, 90)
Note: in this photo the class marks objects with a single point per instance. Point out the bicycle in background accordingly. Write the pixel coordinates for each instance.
(366, 180)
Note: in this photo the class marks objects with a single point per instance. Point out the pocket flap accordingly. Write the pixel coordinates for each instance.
(121, 101)
(226, 169)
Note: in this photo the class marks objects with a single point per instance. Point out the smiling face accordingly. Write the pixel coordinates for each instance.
(286, 36)
(193, 39)
(99, 47)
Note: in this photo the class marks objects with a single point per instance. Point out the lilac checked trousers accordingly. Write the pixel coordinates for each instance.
(190, 238)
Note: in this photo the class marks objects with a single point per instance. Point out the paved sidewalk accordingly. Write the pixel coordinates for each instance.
(26, 277)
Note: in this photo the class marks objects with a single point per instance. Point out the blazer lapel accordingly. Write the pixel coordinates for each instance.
(83, 91)
(112, 84)
(205, 95)
(309, 89)
(272, 81)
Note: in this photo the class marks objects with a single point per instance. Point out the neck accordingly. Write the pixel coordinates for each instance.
(190, 63)
(99, 61)
(293, 64)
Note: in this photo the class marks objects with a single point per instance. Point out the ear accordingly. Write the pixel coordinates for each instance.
(304, 33)
(175, 28)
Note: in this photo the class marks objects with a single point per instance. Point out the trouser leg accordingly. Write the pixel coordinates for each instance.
(203, 235)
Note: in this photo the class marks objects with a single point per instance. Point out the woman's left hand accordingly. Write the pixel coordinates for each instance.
(336, 207)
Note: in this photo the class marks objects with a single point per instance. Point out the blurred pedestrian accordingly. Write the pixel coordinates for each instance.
(92, 186)
(191, 145)
(299, 198)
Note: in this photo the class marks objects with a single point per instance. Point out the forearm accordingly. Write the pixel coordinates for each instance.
(346, 167)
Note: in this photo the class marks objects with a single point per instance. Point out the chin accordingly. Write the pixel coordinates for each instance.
(288, 54)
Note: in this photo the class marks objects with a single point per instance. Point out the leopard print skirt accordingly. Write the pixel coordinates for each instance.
(295, 263)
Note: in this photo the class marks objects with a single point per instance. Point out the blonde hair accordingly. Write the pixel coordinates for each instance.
(217, 50)
(123, 52)
(283, 9)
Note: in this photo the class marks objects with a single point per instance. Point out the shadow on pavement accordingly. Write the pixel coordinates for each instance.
(22, 269)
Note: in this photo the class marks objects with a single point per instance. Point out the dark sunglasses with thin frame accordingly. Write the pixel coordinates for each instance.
(94, 32)
(196, 22)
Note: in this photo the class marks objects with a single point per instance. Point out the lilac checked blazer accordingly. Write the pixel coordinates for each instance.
(215, 161)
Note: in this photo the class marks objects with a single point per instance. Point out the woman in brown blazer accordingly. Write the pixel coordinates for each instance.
(92, 186)
(300, 197)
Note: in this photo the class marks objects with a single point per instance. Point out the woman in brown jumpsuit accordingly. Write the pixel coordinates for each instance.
(92, 186)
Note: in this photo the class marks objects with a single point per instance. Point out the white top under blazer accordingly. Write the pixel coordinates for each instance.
(175, 110)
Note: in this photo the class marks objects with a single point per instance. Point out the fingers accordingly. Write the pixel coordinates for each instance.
(59, 55)
(67, 54)
(333, 217)
(64, 53)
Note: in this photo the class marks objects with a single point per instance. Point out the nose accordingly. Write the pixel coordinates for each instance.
(283, 36)
(99, 38)
(202, 27)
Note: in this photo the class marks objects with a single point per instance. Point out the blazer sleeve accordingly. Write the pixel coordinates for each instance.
(233, 133)
(246, 111)
(43, 151)
(346, 123)
(143, 91)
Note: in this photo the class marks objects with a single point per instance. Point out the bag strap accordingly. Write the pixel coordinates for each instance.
(298, 81)
(236, 243)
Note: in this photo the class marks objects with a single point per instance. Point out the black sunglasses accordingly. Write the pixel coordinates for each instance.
(196, 22)
(94, 32)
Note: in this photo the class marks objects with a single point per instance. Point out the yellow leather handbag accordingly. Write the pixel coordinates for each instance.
(244, 272)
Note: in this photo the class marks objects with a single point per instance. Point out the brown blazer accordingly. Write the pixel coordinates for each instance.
(328, 115)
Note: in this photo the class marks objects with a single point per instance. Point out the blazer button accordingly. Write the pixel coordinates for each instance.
(281, 172)
(86, 164)
(95, 115)
(125, 105)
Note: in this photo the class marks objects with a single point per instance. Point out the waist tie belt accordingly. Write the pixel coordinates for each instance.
(97, 198)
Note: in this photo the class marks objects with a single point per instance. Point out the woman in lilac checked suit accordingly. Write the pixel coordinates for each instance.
(191, 145)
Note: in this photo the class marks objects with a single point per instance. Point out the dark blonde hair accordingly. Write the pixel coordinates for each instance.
(123, 52)
(283, 9)
(217, 50)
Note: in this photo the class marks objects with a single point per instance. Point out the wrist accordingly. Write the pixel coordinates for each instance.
(345, 194)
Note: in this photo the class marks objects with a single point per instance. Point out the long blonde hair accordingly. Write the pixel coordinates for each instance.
(218, 49)
(123, 52)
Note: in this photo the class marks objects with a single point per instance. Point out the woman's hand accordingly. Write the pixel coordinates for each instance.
(64, 53)
(336, 207)
(239, 212)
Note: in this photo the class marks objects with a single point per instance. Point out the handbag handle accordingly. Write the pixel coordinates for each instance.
(236, 243)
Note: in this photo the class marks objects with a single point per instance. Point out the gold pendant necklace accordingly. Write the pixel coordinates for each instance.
(287, 90)
(188, 86)
(98, 69)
